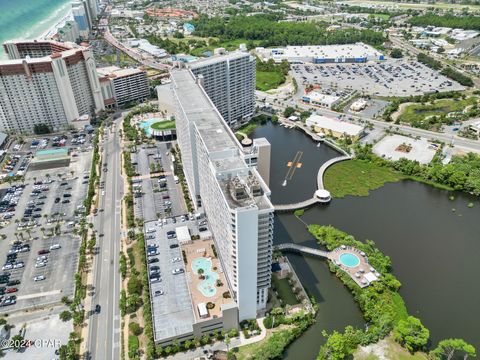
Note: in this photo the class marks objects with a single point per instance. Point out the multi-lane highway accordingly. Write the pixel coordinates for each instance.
(104, 338)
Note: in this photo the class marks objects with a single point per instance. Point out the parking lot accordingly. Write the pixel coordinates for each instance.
(40, 249)
(388, 78)
(159, 196)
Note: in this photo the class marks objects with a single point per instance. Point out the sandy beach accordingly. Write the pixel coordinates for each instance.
(54, 28)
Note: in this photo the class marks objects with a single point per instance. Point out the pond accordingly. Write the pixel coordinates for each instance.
(434, 243)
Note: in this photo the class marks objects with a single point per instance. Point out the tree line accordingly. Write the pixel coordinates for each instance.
(266, 29)
(467, 22)
(447, 71)
(462, 173)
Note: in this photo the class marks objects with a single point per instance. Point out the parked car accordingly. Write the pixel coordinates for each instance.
(39, 278)
(177, 271)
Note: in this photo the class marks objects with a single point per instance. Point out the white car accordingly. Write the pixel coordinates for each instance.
(176, 259)
(19, 265)
(7, 267)
(42, 258)
(40, 264)
(39, 278)
(55, 246)
(177, 271)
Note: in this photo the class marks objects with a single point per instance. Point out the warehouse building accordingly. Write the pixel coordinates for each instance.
(319, 54)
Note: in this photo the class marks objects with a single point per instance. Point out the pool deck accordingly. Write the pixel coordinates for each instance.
(197, 249)
(363, 273)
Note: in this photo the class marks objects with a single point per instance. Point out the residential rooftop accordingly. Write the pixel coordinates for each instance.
(223, 148)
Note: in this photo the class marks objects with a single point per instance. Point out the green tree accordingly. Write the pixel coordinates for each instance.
(396, 53)
(447, 348)
(288, 111)
(135, 328)
(411, 334)
(335, 348)
(134, 285)
(65, 316)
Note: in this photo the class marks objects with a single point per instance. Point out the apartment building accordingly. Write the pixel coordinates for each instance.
(123, 85)
(46, 82)
(81, 18)
(233, 195)
(229, 81)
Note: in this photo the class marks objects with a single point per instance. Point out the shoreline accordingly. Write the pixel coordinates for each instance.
(54, 28)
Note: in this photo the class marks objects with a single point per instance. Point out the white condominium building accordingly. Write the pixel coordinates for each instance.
(46, 82)
(233, 195)
(123, 85)
(229, 81)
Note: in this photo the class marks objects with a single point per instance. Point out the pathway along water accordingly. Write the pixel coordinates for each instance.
(434, 249)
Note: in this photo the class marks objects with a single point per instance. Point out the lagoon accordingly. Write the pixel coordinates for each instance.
(433, 241)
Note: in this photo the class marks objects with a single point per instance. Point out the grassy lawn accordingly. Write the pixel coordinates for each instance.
(382, 16)
(284, 290)
(268, 80)
(355, 177)
(417, 112)
(390, 348)
(163, 125)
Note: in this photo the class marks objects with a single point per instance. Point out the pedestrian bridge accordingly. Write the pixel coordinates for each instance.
(295, 206)
(302, 249)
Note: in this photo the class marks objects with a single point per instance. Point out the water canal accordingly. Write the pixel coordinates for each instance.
(435, 250)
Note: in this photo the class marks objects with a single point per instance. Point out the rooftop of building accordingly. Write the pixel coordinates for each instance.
(223, 148)
(114, 71)
(331, 51)
(334, 125)
(232, 55)
(53, 49)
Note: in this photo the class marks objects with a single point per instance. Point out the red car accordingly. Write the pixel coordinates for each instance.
(42, 252)
(11, 290)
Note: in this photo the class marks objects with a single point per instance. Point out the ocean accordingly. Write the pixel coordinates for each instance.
(29, 19)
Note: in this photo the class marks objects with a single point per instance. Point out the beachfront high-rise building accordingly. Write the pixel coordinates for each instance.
(68, 32)
(81, 18)
(46, 82)
(233, 195)
(229, 81)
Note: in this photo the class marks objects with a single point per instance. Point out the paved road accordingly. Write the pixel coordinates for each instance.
(132, 53)
(104, 329)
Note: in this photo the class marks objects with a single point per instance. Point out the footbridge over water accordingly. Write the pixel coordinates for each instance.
(302, 249)
(321, 195)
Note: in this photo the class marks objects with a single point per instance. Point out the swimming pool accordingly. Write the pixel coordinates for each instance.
(349, 260)
(207, 286)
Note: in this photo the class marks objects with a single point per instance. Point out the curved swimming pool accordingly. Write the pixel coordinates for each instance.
(207, 286)
(349, 260)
